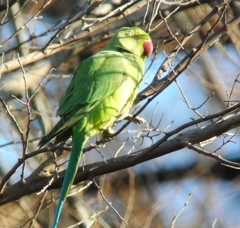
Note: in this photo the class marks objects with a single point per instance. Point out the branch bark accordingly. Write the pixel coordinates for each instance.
(46, 173)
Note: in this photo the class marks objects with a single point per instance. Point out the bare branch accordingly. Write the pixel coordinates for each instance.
(182, 209)
(41, 176)
(157, 86)
(112, 17)
(108, 203)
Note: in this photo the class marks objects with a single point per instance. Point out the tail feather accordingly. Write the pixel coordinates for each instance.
(78, 142)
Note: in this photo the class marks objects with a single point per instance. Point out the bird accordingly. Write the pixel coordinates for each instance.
(103, 87)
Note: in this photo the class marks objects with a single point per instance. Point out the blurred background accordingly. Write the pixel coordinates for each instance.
(150, 194)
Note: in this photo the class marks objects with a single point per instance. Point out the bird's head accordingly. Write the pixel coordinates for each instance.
(133, 40)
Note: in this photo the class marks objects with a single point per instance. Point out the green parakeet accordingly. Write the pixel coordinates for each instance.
(103, 86)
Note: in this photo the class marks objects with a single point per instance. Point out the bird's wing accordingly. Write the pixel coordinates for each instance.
(96, 78)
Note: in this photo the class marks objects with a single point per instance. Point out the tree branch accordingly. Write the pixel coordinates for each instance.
(101, 23)
(46, 172)
(157, 86)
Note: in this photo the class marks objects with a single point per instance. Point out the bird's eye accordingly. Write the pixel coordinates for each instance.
(135, 37)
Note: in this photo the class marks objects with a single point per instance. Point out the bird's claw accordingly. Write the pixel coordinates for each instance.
(139, 120)
(108, 134)
(136, 120)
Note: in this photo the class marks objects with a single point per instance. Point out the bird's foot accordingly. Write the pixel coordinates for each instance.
(136, 120)
(108, 134)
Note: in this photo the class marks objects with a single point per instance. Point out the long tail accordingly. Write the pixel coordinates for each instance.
(79, 139)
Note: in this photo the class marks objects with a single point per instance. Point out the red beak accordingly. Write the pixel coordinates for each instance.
(148, 47)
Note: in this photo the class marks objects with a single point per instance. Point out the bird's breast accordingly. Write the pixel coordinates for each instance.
(119, 102)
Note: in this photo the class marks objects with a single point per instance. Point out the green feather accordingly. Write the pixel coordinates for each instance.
(103, 86)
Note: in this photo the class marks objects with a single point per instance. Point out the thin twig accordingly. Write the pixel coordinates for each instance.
(44, 5)
(131, 198)
(108, 203)
(39, 207)
(218, 157)
(187, 103)
(184, 206)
